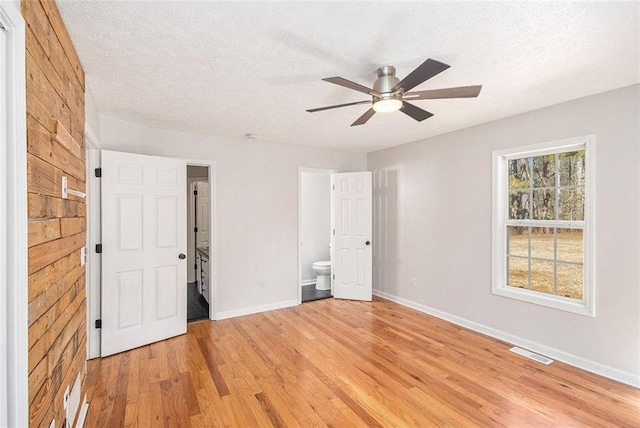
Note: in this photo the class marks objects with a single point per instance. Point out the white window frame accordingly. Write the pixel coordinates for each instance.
(500, 216)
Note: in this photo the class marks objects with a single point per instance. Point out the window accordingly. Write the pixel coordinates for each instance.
(542, 224)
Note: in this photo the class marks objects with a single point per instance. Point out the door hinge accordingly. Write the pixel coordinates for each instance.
(334, 231)
(98, 172)
(195, 229)
(195, 192)
(334, 276)
(99, 248)
(195, 266)
(98, 323)
(333, 186)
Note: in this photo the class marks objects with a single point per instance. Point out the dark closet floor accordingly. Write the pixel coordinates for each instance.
(197, 306)
(309, 293)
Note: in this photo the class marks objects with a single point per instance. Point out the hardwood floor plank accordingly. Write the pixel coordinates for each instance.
(340, 363)
(270, 411)
(189, 394)
(214, 370)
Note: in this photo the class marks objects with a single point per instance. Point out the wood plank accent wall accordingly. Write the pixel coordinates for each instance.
(57, 227)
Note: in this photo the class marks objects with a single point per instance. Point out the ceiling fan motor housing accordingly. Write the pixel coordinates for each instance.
(386, 81)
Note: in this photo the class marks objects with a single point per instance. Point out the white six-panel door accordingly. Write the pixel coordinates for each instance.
(352, 263)
(143, 237)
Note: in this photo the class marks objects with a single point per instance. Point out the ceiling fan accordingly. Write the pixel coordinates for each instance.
(390, 93)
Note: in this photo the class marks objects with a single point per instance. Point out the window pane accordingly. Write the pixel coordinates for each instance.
(518, 272)
(572, 204)
(519, 174)
(544, 171)
(572, 168)
(519, 205)
(570, 245)
(542, 243)
(518, 241)
(570, 281)
(542, 276)
(544, 204)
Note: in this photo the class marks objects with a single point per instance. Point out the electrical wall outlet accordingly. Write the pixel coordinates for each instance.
(262, 284)
(414, 282)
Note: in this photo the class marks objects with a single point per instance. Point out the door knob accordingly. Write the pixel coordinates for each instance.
(367, 243)
(182, 256)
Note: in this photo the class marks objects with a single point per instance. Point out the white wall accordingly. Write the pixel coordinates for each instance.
(316, 221)
(433, 222)
(91, 113)
(256, 191)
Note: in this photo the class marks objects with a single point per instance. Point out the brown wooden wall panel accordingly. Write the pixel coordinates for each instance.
(62, 35)
(42, 206)
(41, 256)
(43, 230)
(63, 137)
(38, 86)
(38, 22)
(43, 146)
(45, 179)
(42, 60)
(57, 227)
(48, 279)
(46, 321)
(44, 301)
(71, 226)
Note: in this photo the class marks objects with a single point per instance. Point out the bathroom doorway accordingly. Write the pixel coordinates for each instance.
(314, 233)
(198, 239)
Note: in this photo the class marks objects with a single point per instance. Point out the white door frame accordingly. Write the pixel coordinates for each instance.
(94, 262)
(302, 169)
(14, 398)
(213, 253)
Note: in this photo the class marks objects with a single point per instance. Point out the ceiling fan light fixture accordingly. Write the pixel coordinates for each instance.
(387, 105)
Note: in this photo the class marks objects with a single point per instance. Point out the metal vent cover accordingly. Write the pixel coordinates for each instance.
(532, 356)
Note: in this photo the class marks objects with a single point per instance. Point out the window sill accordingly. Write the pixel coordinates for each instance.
(550, 301)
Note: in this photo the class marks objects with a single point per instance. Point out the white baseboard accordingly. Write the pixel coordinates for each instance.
(582, 363)
(256, 309)
(308, 282)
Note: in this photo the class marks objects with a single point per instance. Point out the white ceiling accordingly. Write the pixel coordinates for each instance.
(233, 68)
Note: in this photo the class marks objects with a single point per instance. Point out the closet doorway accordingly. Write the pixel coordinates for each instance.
(198, 243)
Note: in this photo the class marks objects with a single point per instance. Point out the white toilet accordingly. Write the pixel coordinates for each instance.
(323, 270)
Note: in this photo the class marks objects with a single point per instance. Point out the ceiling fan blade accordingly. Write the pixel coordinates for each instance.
(425, 71)
(363, 119)
(351, 85)
(433, 94)
(415, 112)
(312, 110)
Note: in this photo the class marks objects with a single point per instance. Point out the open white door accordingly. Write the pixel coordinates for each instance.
(352, 263)
(202, 214)
(144, 230)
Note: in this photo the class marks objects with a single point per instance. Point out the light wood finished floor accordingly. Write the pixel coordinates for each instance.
(341, 363)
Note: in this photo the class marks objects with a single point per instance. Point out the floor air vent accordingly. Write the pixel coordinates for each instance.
(531, 355)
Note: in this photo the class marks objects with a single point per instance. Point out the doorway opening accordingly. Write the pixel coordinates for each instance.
(315, 234)
(198, 243)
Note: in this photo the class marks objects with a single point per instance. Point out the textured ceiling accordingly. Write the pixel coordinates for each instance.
(233, 68)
